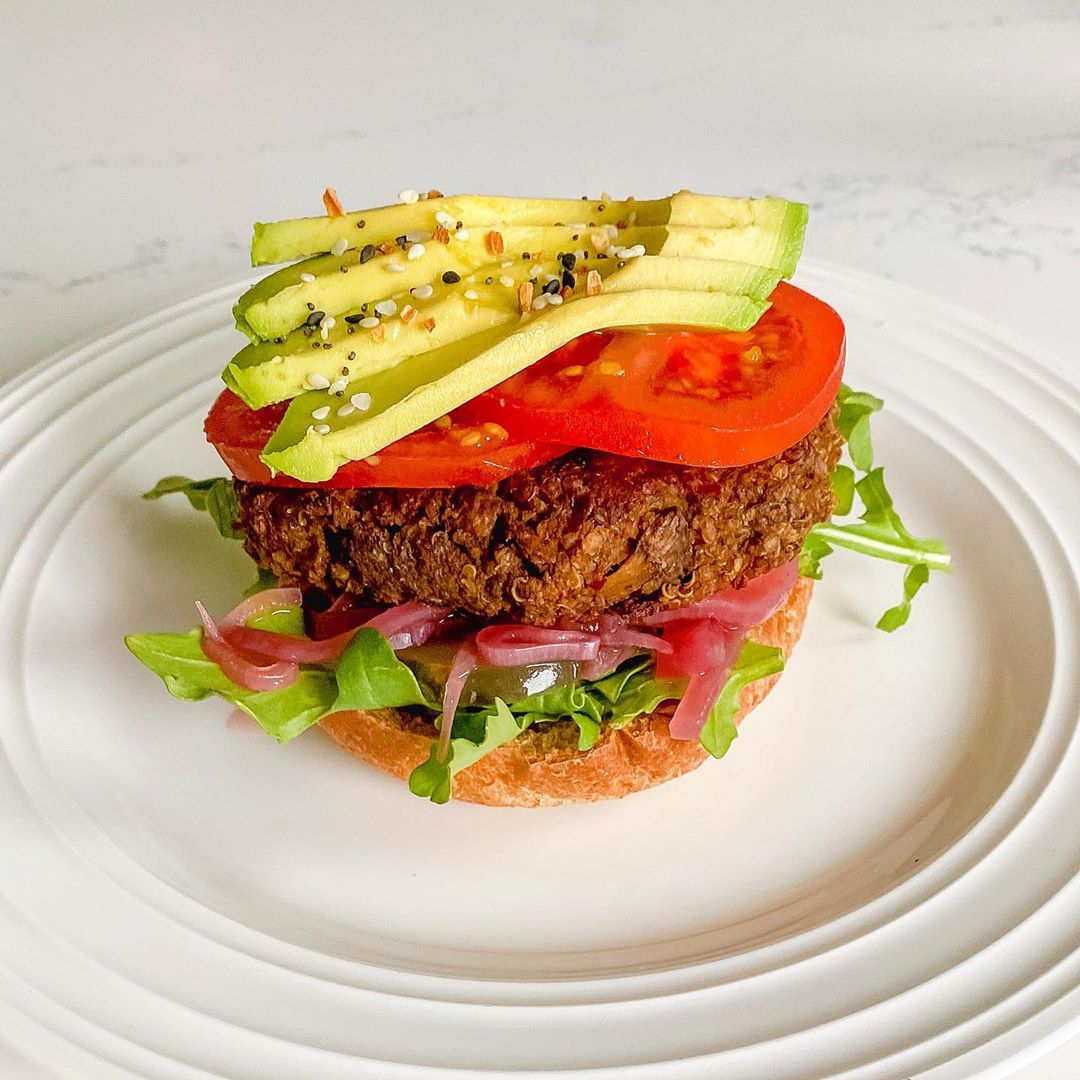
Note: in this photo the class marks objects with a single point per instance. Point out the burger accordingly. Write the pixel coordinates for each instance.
(537, 489)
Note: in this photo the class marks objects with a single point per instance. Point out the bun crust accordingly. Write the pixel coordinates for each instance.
(543, 767)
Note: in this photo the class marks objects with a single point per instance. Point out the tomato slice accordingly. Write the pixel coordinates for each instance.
(464, 452)
(686, 396)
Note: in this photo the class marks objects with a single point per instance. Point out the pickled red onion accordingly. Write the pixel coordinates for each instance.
(240, 667)
(512, 645)
(268, 645)
(698, 647)
(407, 624)
(737, 608)
(464, 662)
(696, 704)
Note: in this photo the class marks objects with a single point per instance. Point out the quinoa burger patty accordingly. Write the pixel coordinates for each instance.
(583, 534)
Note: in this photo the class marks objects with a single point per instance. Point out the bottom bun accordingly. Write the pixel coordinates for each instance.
(543, 766)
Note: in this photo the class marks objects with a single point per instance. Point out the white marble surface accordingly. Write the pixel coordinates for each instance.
(937, 143)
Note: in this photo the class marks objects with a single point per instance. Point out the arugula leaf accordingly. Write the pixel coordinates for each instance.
(754, 662)
(879, 532)
(188, 674)
(895, 617)
(853, 421)
(216, 497)
(476, 732)
(842, 482)
(370, 676)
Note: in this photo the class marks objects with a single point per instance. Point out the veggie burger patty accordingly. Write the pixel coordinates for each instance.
(586, 533)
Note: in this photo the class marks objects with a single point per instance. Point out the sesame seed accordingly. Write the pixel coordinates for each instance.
(339, 247)
(367, 252)
(471, 294)
(386, 307)
(418, 236)
(361, 402)
(568, 260)
(327, 345)
(337, 387)
(346, 410)
(451, 277)
(612, 231)
(551, 286)
(507, 280)
(462, 234)
(317, 381)
(555, 301)
(369, 323)
(408, 196)
(319, 429)
(315, 318)
(321, 413)
(578, 226)
(540, 302)
(443, 218)
(395, 267)
(307, 278)
(633, 252)
(507, 263)
(422, 292)
(416, 251)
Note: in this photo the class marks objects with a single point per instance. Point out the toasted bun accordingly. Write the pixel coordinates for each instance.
(543, 766)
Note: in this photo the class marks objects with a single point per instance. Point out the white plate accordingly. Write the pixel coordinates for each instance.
(879, 880)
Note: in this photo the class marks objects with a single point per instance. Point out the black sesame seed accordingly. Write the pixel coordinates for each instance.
(354, 319)
(363, 307)
(367, 252)
(344, 268)
(315, 318)
(451, 277)
(327, 345)
(314, 344)
(402, 241)
(568, 260)
(461, 225)
(311, 307)
(552, 287)
(361, 223)
(568, 280)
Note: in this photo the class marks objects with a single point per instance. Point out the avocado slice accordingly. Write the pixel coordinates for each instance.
(406, 397)
(267, 372)
(280, 303)
(284, 241)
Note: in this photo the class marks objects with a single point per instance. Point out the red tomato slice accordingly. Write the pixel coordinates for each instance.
(465, 452)
(686, 396)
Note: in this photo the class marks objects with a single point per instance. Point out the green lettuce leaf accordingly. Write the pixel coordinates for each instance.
(754, 662)
(853, 420)
(216, 497)
(188, 674)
